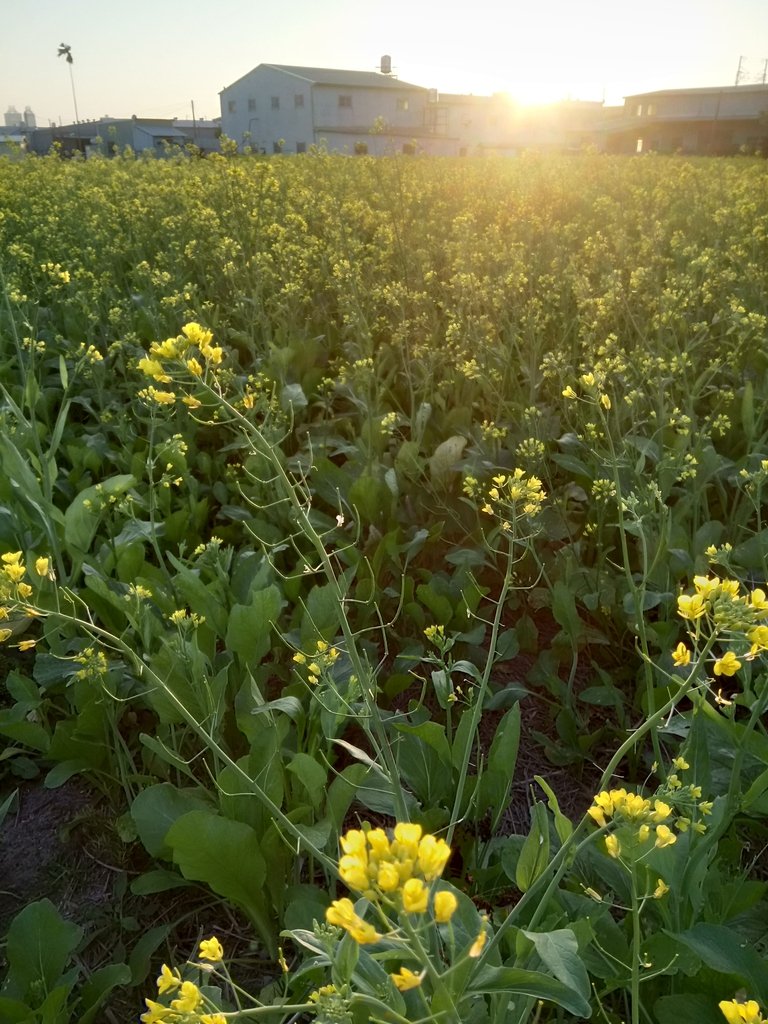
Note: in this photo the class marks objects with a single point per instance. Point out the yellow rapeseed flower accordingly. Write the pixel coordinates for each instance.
(42, 565)
(706, 585)
(406, 979)
(661, 889)
(342, 913)
(211, 949)
(168, 980)
(189, 999)
(664, 837)
(388, 878)
(741, 1013)
(477, 946)
(728, 665)
(14, 571)
(444, 905)
(153, 368)
(691, 606)
(432, 857)
(613, 846)
(155, 1013)
(415, 896)
(197, 335)
(681, 656)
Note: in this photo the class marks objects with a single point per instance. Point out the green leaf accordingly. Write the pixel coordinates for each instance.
(724, 950)
(292, 397)
(371, 498)
(513, 980)
(344, 961)
(81, 519)
(534, 856)
(755, 791)
(226, 856)
(249, 630)
(503, 753)
(40, 943)
(563, 825)
(139, 961)
(442, 464)
(691, 1008)
(155, 809)
(431, 733)
(312, 776)
(98, 987)
(507, 645)
(157, 881)
(496, 781)
(564, 610)
(321, 615)
(559, 952)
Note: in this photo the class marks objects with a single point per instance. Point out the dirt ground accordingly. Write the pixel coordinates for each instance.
(42, 853)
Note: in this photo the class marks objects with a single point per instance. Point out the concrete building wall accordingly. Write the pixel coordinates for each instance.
(268, 105)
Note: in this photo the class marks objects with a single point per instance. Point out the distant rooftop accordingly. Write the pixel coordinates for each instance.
(338, 76)
(710, 90)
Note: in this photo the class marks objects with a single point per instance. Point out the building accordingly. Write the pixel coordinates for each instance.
(13, 119)
(17, 131)
(280, 108)
(113, 135)
(479, 124)
(204, 134)
(714, 121)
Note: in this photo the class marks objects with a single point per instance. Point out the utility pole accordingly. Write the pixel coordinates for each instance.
(66, 51)
(738, 71)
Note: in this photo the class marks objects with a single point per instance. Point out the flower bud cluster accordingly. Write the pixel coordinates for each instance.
(509, 497)
(642, 815)
(15, 590)
(321, 661)
(724, 608)
(189, 1004)
(397, 872)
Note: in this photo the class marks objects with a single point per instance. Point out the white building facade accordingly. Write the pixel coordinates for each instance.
(283, 108)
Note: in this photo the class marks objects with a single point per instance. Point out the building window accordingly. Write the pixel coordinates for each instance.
(298, 99)
(301, 147)
(639, 146)
(651, 109)
(275, 102)
(231, 107)
(639, 110)
(402, 104)
(345, 101)
(251, 104)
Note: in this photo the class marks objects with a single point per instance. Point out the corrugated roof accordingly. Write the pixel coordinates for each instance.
(709, 90)
(161, 132)
(338, 76)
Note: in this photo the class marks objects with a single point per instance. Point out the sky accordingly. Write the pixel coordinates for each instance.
(155, 58)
